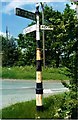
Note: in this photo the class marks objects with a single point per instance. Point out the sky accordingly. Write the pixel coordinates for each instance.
(15, 23)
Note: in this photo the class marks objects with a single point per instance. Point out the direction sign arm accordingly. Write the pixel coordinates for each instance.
(26, 14)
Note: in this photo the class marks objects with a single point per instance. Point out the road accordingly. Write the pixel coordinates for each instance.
(13, 91)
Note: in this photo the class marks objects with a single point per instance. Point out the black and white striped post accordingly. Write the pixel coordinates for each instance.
(39, 85)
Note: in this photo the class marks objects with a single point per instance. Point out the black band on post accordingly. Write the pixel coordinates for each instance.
(38, 44)
(39, 91)
(39, 108)
(39, 85)
(38, 65)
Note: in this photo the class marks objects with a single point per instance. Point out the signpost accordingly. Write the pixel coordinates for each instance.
(29, 29)
(43, 27)
(39, 83)
(34, 27)
(25, 14)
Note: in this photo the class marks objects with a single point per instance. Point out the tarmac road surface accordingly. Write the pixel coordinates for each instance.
(13, 91)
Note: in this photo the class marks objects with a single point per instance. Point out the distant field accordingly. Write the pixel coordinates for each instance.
(29, 73)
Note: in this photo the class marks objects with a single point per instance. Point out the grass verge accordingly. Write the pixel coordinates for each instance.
(29, 73)
(24, 110)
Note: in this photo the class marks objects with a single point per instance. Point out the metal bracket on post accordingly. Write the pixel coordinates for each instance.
(39, 85)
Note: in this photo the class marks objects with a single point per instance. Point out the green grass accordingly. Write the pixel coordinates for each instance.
(28, 110)
(0, 72)
(55, 74)
(29, 73)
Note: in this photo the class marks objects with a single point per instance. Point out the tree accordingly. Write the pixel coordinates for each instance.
(72, 64)
(75, 1)
(27, 44)
(53, 19)
(57, 42)
(10, 52)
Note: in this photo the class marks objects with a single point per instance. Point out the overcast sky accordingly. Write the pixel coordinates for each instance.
(15, 23)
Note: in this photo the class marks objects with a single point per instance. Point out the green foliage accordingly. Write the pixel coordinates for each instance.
(9, 52)
(27, 44)
(0, 44)
(28, 109)
(58, 42)
(55, 107)
(28, 72)
(55, 74)
(69, 104)
(75, 2)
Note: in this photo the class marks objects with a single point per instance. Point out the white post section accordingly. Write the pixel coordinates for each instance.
(37, 28)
